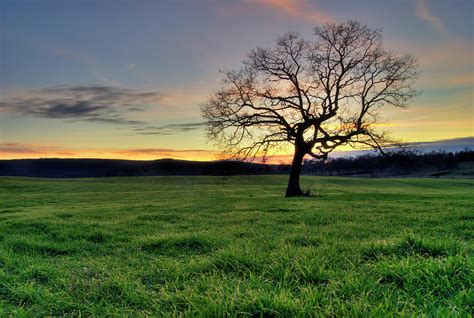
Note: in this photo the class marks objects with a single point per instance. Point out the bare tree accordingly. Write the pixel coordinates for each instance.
(316, 95)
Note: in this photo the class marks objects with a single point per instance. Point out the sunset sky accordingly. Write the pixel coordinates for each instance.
(124, 79)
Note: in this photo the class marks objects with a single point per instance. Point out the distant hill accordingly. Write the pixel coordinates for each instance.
(86, 168)
(392, 164)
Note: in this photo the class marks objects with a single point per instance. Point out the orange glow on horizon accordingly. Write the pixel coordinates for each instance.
(283, 155)
(22, 151)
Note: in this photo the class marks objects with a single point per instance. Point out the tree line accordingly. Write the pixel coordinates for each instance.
(390, 164)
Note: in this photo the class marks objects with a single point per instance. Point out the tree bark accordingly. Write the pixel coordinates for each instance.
(294, 182)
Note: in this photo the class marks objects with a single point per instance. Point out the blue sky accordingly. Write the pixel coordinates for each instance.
(172, 50)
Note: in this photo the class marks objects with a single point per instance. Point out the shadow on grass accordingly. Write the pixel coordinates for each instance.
(179, 245)
(411, 245)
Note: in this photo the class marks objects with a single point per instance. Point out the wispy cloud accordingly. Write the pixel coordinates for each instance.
(423, 11)
(103, 104)
(169, 129)
(295, 8)
(21, 150)
(8, 150)
(11, 150)
(190, 154)
(15, 148)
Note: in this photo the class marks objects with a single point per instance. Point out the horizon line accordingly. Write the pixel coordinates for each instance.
(271, 159)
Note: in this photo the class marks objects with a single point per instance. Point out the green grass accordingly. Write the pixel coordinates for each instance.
(234, 246)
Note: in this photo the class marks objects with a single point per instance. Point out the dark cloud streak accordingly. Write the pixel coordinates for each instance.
(102, 104)
(96, 104)
(169, 129)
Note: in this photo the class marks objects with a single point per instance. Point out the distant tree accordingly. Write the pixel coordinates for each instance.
(316, 95)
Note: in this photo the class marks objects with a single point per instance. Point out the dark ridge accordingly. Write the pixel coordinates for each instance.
(87, 168)
(405, 163)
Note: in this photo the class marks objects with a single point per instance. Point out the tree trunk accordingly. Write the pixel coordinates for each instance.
(294, 182)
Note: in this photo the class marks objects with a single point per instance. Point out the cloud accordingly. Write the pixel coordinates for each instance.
(156, 153)
(295, 8)
(423, 11)
(99, 104)
(169, 129)
(103, 104)
(12, 150)
(166, 152)
(19, 150)
(25, 150)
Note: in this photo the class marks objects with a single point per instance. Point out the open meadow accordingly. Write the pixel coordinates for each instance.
(235, 246)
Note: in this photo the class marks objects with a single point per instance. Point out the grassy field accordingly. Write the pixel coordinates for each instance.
(234, 246)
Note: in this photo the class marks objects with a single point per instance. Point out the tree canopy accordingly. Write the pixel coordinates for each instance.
(316, 95)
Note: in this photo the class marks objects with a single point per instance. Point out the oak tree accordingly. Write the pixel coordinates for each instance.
(315, 94)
